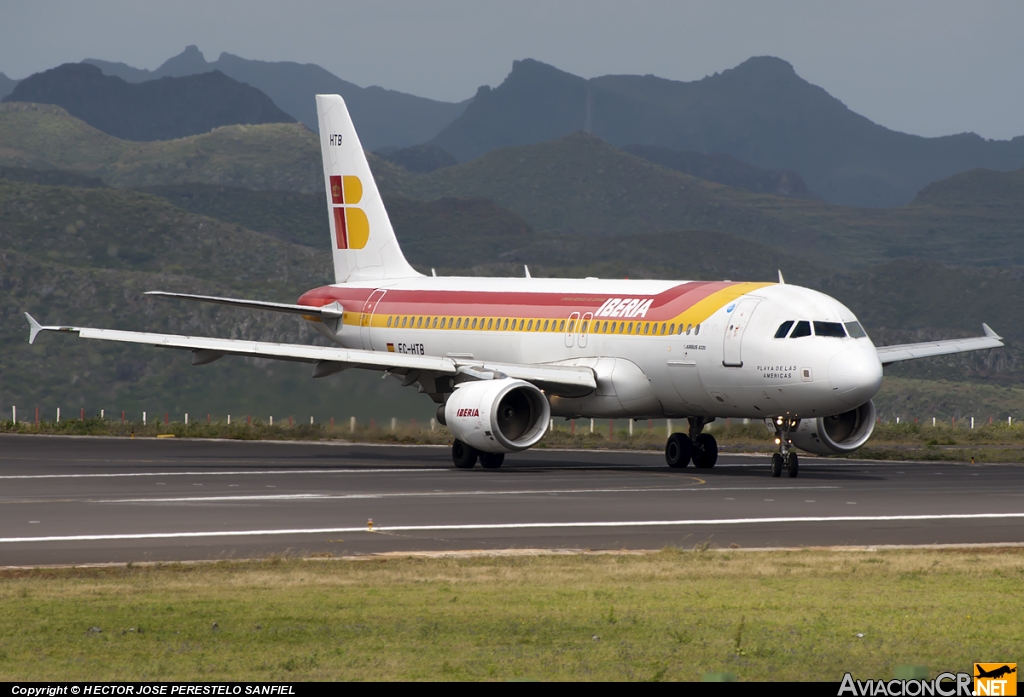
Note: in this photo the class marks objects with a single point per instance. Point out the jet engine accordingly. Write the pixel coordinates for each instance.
(498, 416)
(842, 433)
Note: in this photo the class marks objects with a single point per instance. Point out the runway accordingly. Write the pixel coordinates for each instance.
(97, 500)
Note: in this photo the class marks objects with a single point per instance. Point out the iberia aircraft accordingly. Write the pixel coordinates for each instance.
(501, 356)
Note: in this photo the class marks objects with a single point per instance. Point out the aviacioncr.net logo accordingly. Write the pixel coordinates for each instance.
(944, 685)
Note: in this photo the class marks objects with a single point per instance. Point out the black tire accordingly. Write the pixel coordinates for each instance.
(792, 465)
(464, 456)
(776, 464)
(678, 451)
(705, 452)
(491, 461)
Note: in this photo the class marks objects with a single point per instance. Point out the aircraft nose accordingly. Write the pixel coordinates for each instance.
(855, 374)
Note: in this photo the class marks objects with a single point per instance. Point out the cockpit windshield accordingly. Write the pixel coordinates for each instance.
(794, 329)
(833, 329)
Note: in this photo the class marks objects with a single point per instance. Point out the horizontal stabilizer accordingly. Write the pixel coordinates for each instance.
(905, 352)
(332, 311)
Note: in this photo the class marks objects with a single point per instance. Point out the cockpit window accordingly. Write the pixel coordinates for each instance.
(783, 329)
(802, 328)
(833, 329)
(855, 330)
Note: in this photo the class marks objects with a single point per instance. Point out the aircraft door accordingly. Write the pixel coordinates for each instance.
(571, 328)
(366, 317)
(585, 328)
(735, 325)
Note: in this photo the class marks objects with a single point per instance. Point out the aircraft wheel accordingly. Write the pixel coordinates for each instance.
(792, 465)
(464, 456)
(776, 464)
(491, 461)
(678, 450)
(705, 452)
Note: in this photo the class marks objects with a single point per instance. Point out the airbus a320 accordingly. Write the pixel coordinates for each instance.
(502, 356)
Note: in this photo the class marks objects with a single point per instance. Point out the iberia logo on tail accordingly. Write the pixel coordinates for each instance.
(351, 227)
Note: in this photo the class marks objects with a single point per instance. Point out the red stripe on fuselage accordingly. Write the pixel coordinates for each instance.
(666, 305)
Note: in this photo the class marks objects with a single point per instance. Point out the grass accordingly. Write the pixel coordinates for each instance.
(672, 615)
(998, 442)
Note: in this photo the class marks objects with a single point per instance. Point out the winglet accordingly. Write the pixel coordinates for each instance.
(781, 279)
(33, 328)
(989, 332)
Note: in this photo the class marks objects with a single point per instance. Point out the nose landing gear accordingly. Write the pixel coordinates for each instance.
(785, 458)
(698, 447)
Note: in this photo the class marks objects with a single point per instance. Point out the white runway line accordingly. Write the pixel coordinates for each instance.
(512, 526)
(412, 494)
(220, 474)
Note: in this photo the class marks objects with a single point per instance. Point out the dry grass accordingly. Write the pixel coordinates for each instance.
(669, 615)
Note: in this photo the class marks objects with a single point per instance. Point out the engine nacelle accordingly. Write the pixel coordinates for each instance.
(498, 416)
(831, 435)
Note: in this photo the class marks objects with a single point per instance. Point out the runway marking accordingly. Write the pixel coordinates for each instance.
(413, 494)
(218, 474)
(511, 526)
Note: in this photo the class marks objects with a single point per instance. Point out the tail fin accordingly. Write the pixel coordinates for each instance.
(364, 243)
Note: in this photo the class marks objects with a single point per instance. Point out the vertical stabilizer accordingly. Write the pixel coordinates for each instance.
(364, 243)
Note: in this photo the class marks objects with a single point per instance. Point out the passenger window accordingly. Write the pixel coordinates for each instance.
(435, 323)
(584, 327)
(546, 324)
(458, 323)
(419, 322)
(629, 328)
(529, 326)
(647, 325)
(404, 321)
(802, 328)
(783, 329)
(572, 323)
(662, 327)
(506, 323)
(855, 330)
(672, 328)
(490, 323)
(521, 323)
(832, 329)
(561, 326)
(689, 328)
(696, 330)
(389, 321)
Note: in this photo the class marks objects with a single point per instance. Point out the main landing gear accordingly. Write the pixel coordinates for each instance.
(785, 458)
(698, 447)
(465, 457)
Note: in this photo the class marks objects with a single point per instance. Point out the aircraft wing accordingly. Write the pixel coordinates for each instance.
(332, 311)
(562, 380)
(905, 352)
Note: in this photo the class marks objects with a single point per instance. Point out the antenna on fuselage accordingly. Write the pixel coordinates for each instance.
(527, 269)
(781, 279)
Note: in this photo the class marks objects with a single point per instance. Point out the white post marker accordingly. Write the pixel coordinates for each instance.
(591, 425)
(143, 418)
(229, 419)
(668, 427)
(933, 422)
(972, 423)
(271, 420)
(14, 415)
(433, 424)
(311, 421)
(352, 425)
(631, 427)
(897, 419)
(394, 422)
(58, 414)
(102, 415)
(186, 418)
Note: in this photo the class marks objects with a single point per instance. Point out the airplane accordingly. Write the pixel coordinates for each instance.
(502, 356)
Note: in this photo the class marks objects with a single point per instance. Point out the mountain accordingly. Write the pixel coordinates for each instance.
(383, 117)
(419, 159)
(6, 85)
(580, 184)
(724, 169)
(161, 109)
(279, 156)
(760, 112)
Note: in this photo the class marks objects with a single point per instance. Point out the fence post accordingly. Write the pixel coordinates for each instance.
(394, 422)
(668, 428)
(591, 425)
(186, 418)
(167, 417)
(352, 425)
(433, 424)
(972, 423)
(933, 422)
(630, 428)
(311, 421)
(102, 414)
(14, 415)
(122, 416)
(229, 419)
(58, 414)
(143, 418)
(271, 419)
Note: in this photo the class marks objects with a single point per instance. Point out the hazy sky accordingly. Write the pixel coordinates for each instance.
(930, 67)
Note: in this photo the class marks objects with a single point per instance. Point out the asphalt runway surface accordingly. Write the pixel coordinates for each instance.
(70, 500)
